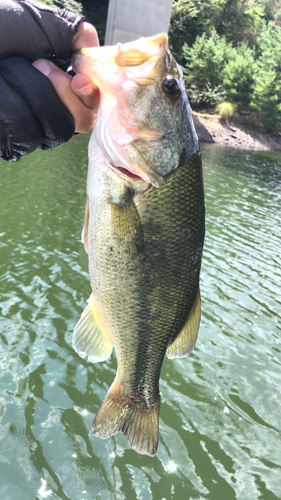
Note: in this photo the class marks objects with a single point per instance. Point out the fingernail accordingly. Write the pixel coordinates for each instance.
(43, 66)
(82, 89)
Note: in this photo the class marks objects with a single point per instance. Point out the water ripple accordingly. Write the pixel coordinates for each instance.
(220, 413)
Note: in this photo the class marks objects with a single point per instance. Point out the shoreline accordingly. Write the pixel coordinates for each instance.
(211, 129)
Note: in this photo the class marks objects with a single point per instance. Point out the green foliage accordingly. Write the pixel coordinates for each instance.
(266, 96)
(203, 70)
(236, 20)
(239, 20)
(214, 70)
(230, 51)
(238, 75)
(186, 24)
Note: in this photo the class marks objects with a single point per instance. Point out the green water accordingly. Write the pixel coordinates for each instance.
(220, 415)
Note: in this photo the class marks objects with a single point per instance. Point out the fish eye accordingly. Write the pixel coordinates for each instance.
(170, 86)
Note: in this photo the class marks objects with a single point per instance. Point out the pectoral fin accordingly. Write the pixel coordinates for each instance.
(127, 226)
(84, 235)
(183, 344)
(89, 338)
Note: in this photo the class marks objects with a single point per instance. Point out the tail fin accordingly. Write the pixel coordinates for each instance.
(119, 414)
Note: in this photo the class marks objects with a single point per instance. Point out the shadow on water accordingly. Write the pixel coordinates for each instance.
(220, 413)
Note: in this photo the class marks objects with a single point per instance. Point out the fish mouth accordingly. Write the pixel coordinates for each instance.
(134, 175)
(125, 173)
(129, 174)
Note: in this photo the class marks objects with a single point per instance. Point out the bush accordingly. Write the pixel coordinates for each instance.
(226, 110)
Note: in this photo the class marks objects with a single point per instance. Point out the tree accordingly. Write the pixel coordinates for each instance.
(266, 96)
(186, 24)
(203, 70)
(238, 75)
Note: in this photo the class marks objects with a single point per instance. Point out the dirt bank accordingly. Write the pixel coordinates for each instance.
(210, 128)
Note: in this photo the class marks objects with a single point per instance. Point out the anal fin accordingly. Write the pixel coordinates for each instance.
(139, 424)
(185, 341)
(89, 338)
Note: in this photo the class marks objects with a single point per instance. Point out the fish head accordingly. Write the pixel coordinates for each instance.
(144, 122)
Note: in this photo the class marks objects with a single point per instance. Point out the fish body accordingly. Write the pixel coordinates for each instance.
(143, 231)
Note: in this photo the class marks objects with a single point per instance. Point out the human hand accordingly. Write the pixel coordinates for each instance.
(78, 94)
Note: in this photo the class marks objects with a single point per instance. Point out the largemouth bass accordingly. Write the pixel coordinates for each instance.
(143, 231)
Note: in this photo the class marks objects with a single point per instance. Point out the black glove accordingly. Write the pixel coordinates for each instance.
(35, 31)
(31, 113)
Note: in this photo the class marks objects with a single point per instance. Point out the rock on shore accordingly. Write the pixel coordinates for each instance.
(211, 129)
